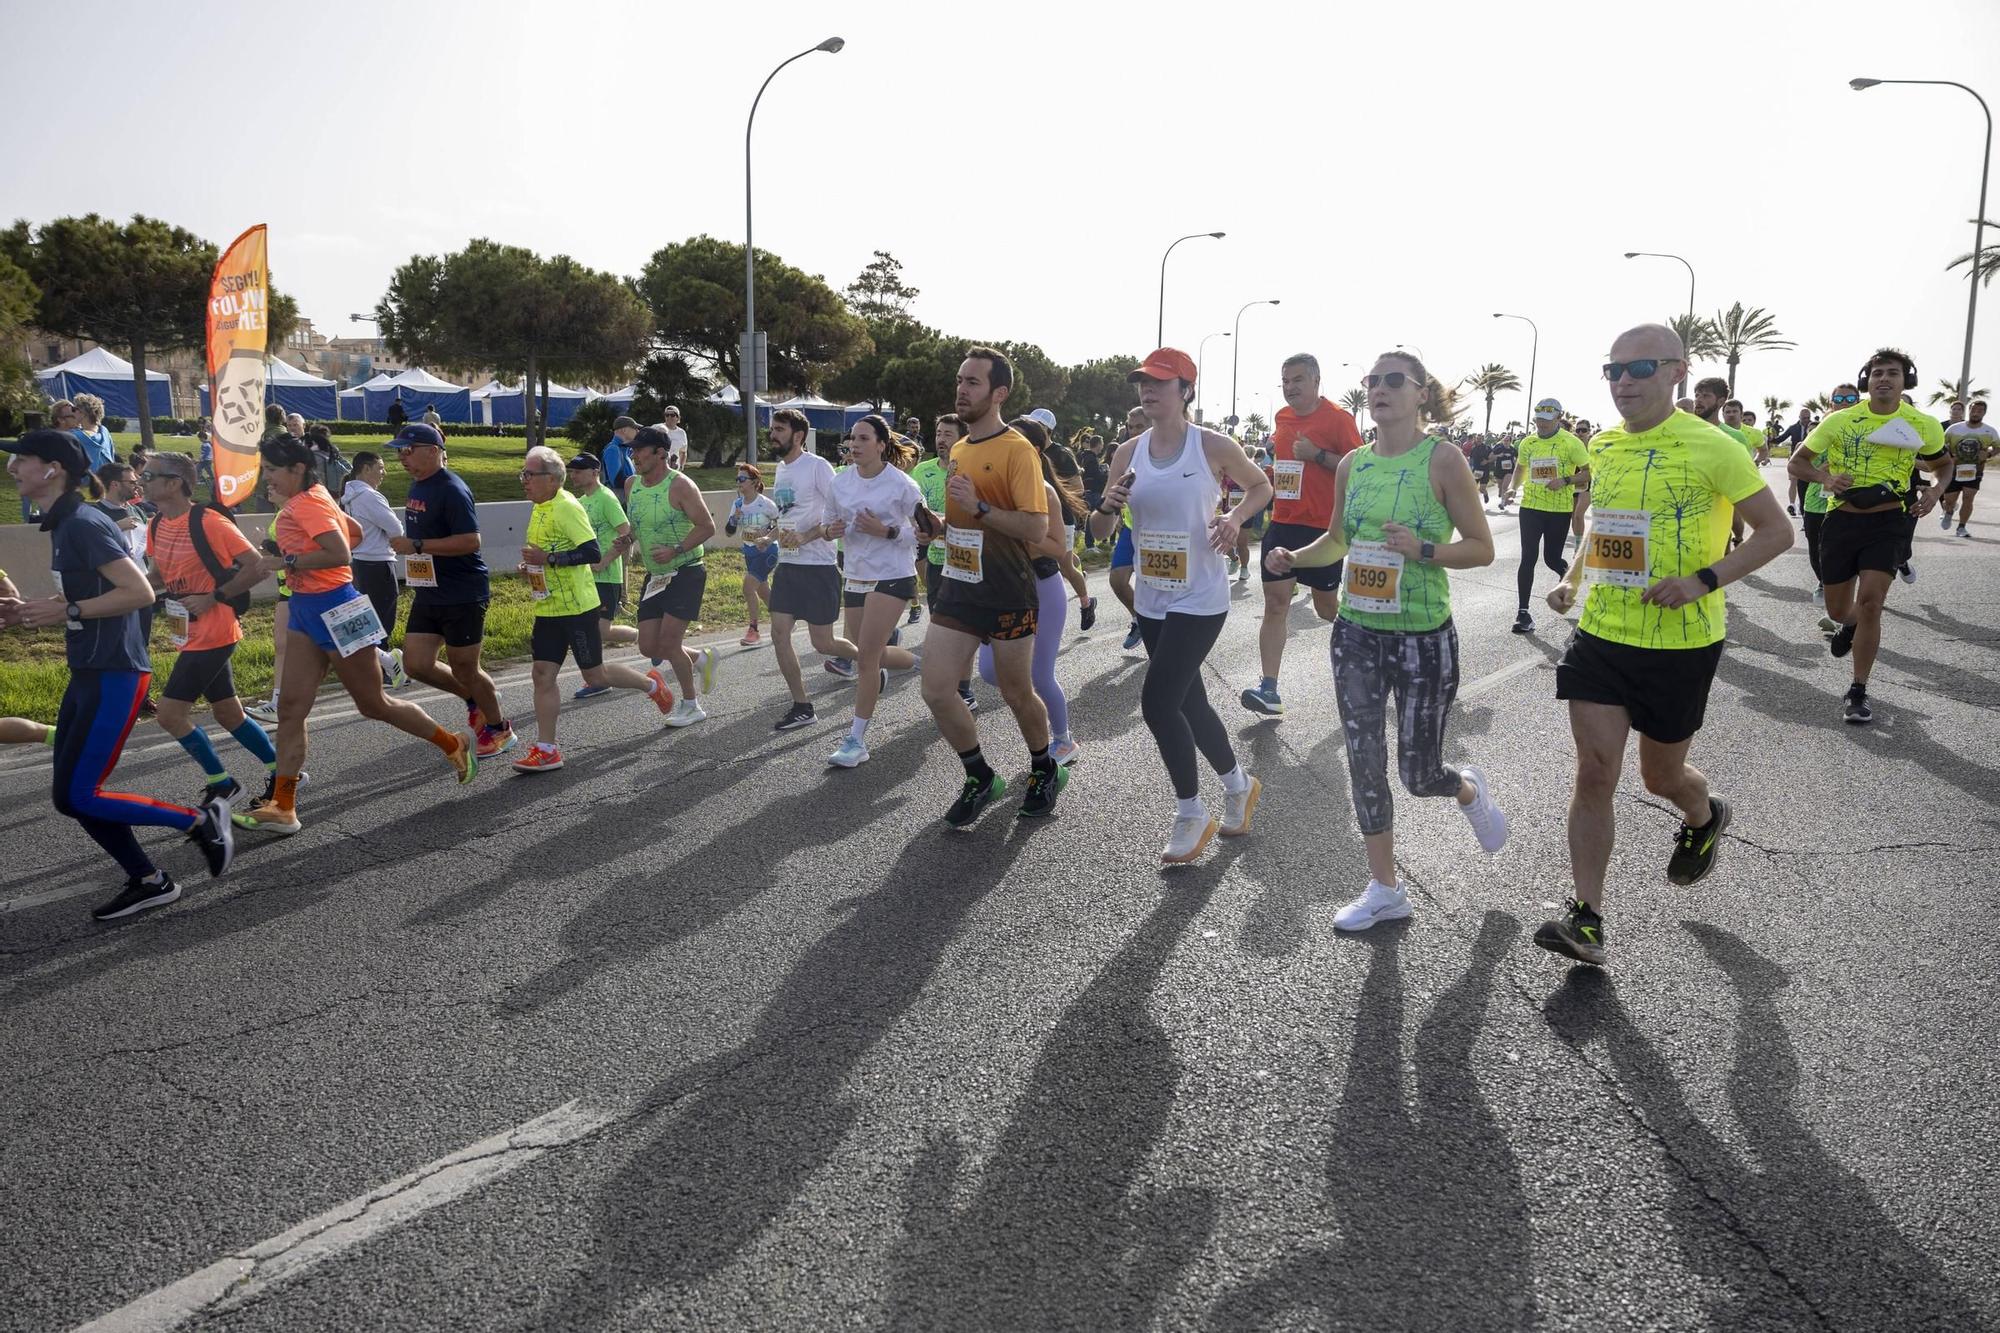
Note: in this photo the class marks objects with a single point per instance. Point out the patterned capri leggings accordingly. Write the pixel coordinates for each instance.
(1422, 670)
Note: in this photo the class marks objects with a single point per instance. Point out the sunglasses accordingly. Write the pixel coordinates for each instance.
(159, 476)
(1642, 369)
(1847, 398)
(1395, 379)
(533, 473)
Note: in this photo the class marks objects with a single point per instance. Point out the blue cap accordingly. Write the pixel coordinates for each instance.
(415, 435)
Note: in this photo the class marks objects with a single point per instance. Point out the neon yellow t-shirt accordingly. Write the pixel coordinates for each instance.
(1560, 456)
(561, 525)
(1748, 434)
(1873, 449)
(1684, 478)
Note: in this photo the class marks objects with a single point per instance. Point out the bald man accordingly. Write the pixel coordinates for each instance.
(1664, 486)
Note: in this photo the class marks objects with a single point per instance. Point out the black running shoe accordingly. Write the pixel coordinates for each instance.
(271, 787)
(1523, 622)
(1842, 641)
(1087, 613)
(798, 715)
(137, 896)
(971, 704)
(916, 613)
(1044, 785)
(216, 835)
(1579, 935)
(1854, 709)
(226, 790)
(1695, 849)
(973, 799)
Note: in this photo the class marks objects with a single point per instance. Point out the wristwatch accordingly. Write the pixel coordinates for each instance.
(417, 545)
(74, 614)
(893, 531)
(1427, 551)
(291, 562)
(1707, 575)
(983, 509)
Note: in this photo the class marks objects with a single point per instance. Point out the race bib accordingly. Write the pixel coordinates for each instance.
(788, 522)
(1163, 559)
(1373, 578)
(965, 554)
(656, 583)
(353, 625)
(420, 571)
(1966, 472)
(1897, 434)
(1289, 476)
(538, 583)
(1542, 471)
(177, 623)
(1506, 465)
(860, 585)
(1615, 549)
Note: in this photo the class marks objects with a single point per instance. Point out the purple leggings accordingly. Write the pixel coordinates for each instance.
(1051, 615)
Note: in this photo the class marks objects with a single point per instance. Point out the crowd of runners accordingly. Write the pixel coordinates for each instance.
(1642, 523)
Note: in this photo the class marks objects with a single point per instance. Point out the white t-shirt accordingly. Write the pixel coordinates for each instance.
(677, 454)
(803, 492)
(892, 497)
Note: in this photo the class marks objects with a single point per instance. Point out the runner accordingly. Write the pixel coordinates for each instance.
(607, 519)
(670, 528)
(930, 476)
(1166, 480)
(1506, 459)
(557, 561)
(448, 585)
(206, 569)
(1557, 467)
(1479, 457)
(1663, 487)
(100, 593)
(806, 585)
(1069, 475)
(1812, 504)
(331, 625)
(876, 507)
(753, 518)
(1309, 440)
(995, 508)
(1065, 500)
(1400, 500)
(1121, 550)
(1972, 443)
(1863, 457)
(374, 555)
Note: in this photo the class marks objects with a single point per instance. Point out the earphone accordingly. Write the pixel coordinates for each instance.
(1909, 375)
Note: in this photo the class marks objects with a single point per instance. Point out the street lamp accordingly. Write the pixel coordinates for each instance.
(1201, 384)
(1160, 332)
(1236, 356)
(1534, 355)
(749, 366)
(1686, 369)
(1978, 219)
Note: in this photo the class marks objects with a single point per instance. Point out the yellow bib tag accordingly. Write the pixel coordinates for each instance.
(1616, 549)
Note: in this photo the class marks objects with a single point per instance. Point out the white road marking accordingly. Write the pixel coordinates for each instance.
(249, 1274)
(46, 896)
(1492, 679)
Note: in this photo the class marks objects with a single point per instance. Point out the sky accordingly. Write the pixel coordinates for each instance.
(1391, 174)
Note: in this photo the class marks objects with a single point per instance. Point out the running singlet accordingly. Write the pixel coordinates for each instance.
(1175, 569)
(655, 522)
(1545, 461)
(930, 476)
(1379, 588)
(1874, 450)
(1660, 508)
(305, 517)
(1304, 491)
(606, 517)
(183, 573)
(559, 524)
(982, 566)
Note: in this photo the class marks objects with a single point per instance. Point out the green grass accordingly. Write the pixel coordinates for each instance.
(490, 465)
(33, 672)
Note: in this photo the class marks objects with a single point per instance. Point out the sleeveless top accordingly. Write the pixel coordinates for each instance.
(1380, 589)
(655, 522)
(1173, 567)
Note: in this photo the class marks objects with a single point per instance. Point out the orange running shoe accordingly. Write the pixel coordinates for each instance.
(539, 759)
(663, 697)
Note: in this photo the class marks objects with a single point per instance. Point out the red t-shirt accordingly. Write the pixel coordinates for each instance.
(1305, 490)
(297, 531)
(182, 571)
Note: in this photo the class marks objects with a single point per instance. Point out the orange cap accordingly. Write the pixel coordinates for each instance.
(1169, 363)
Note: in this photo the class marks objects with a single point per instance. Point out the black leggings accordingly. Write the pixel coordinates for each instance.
(1173, 702)
(1545, 528)
(376, 580)
(1814, 522)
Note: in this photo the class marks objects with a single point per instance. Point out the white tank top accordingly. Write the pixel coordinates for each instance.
(1174, 568)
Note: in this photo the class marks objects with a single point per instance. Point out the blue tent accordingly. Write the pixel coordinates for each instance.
(110, 378)
(620, 400)
(506, 408)
(286, 386)
(418, 390)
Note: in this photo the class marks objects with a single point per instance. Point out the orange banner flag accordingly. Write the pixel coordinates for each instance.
(238, 314)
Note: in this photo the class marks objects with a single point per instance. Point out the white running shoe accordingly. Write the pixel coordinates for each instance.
(851, 753)
(686, 713)
(397, 676)
(263, 710)
(1190, 835)
(1065, 752)
(1489, 823)
(1381, 902)
(1238, 806)
(1944, 523)
(704, 669)
(1819, 594)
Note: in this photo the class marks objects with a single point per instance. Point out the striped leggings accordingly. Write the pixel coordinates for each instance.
(1422, 671)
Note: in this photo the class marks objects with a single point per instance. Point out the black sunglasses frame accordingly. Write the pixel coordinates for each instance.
(1616, 370)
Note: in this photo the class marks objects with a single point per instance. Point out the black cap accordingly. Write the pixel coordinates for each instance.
(624, 423)
(652, 437)
(585, 462)
(52, 446)
(286, 450)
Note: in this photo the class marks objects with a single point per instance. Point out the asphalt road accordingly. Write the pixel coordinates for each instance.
(699, 1034)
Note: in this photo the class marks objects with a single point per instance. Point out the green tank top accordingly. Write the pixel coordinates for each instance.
(1394, 490)
(655, 522)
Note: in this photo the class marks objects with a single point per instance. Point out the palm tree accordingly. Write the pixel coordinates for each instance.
(1355, 401)
(1490, 379)
(1740, 331)
(1988, 265)
(1697, 335)
(1774, 405)
(1946, 391)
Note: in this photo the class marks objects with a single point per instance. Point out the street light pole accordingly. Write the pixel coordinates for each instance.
(1534, 355)
(1160, 332)
(1978, 219)
(1686, 369)
(1235, 356)
(748, 370)
(1200, 385)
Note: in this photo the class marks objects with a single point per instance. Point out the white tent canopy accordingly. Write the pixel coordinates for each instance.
(416, 377)
(284, 372)
(98, 364)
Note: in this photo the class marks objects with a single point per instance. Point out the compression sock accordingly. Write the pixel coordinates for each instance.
(285, 792)
(1040, 761)
(444, 740)
(976, 766)
(256, 740)
(196, 743)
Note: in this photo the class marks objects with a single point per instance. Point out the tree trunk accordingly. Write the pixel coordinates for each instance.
(528, 403)
(1489, 415)
(543, 414)
(145, 399)
(1733, 360)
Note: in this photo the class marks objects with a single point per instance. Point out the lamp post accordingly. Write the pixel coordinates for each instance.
(1200, 383)
(1686, 369)
(1236, 356)
(1160, 331)
(1978, 219)
(1534, 355)
(749, 367)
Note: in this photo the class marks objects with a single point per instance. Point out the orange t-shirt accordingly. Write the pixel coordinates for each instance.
(185, 575)
(1309, 484)
(305, 516)
(1005, 472)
